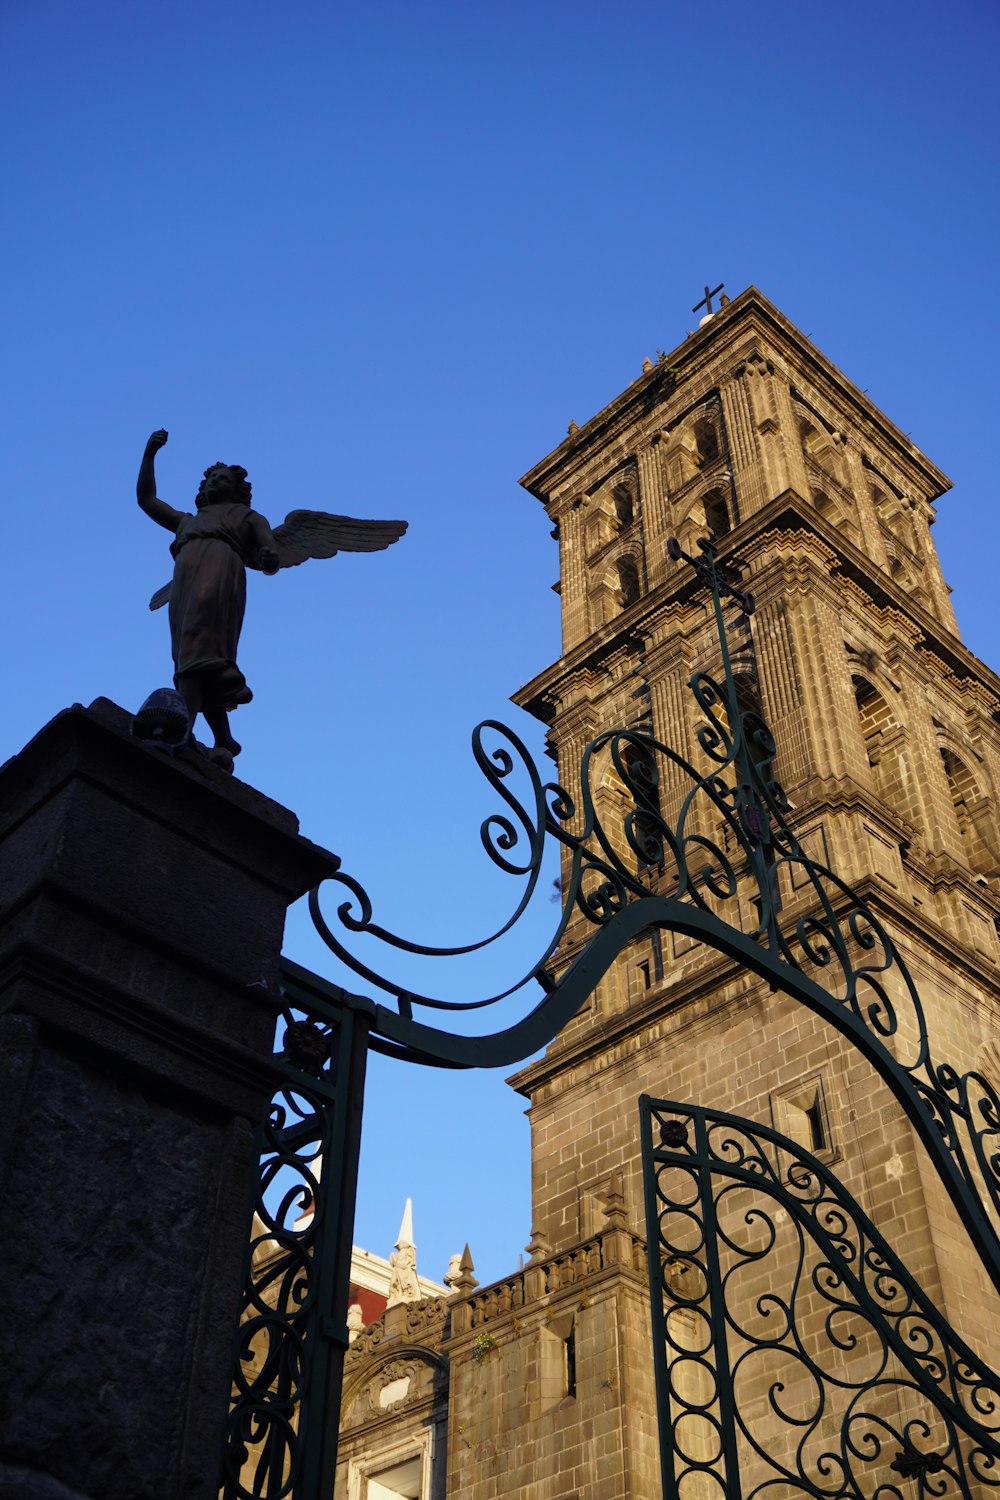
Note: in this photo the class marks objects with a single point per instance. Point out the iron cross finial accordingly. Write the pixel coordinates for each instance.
(707, 300)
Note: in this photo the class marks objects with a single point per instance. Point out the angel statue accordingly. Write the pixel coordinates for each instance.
(212, 550)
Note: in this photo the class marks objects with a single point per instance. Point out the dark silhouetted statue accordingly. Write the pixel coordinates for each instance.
(212, 550)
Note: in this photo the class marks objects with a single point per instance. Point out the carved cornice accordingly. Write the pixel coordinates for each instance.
(786, 534)
(751, 325)
(789, 512)
(422, 1324)
(887, 617)
(978, 698)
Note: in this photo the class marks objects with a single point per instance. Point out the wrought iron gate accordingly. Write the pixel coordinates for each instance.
(727, 869)
(281, 1431)
(794, 1353)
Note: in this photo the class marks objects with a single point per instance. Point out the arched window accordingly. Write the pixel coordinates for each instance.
(838, 512)
(717, 517)
(624, 505)
(818, 447)
(885, 745)
(683, 457)
(707, 438)
(875, 718)
(628, 581)
(633, 810)
(972, 810)
(640, 766)
(748, 701)
(747, 693)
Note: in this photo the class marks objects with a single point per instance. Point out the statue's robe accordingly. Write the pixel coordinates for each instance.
(212, 551)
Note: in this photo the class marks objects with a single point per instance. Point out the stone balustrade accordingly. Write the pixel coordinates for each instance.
(583, 1262)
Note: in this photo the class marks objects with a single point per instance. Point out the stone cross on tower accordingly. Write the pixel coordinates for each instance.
(706, 301)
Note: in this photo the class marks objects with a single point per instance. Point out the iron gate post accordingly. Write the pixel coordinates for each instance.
(284, 1415)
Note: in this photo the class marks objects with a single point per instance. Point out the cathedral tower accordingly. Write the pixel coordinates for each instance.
(889, 750)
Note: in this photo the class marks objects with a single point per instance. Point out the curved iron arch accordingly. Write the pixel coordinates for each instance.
(730, 847)
(730, 850)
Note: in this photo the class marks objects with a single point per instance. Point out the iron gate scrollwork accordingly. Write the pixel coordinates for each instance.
(794, 1353)
(292, 1334)
(710, 852)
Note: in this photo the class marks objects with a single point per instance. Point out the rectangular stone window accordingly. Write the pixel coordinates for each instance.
(800, 1112)
(648, 970)
(401, 1482)
(404, 1470)
(557, 1361)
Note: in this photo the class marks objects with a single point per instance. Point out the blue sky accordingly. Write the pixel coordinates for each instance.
(381, 255)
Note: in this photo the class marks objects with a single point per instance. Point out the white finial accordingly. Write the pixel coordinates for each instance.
(405, 1236)
(403, 1283)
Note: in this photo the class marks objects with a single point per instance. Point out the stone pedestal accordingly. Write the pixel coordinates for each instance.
(142, 904)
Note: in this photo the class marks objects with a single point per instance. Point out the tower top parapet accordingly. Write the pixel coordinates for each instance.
(749, 326)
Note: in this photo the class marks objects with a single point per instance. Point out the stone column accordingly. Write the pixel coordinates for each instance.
(142, 904)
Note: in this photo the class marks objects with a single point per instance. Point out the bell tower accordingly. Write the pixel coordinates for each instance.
(888, 748)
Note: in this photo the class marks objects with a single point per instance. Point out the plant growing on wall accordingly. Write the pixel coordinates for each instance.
(483, 1347)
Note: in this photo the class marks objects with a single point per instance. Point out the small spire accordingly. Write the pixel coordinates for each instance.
(647, 365)
(464, 1281)
(405, 1236)
(572, 429)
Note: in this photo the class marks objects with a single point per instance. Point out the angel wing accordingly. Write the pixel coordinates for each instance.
(313, 533)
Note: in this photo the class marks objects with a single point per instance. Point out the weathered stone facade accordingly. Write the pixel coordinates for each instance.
(889, 749)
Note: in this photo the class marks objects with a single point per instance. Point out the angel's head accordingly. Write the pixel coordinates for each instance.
(223, 484)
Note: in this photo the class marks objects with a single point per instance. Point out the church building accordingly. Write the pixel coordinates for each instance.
(541, 1386)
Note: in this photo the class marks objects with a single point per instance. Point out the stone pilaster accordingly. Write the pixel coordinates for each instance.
(142, 904)
(655, 510)
(923, 520)
(874, 543)
(573, 575)
(743, 446)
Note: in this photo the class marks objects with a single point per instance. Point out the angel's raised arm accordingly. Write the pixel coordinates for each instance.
(145, 489)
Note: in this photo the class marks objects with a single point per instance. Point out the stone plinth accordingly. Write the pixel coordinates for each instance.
(142, 904)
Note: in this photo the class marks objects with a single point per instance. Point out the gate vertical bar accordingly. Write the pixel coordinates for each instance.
(717, 1310)
(661, 1372)
(333, 1249)
(698, 1165)
(284, 1419)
